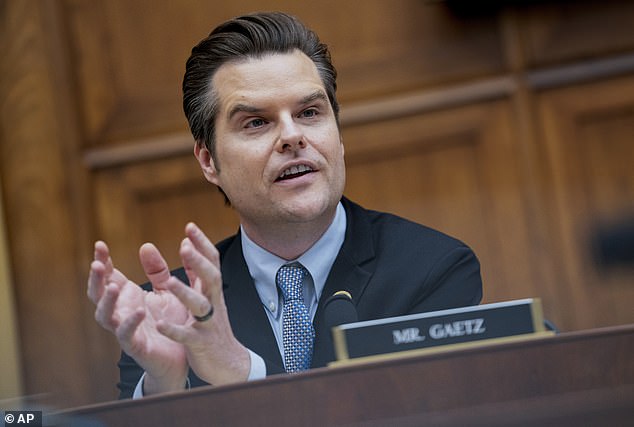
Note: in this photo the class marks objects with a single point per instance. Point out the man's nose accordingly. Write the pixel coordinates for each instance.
(291, 135)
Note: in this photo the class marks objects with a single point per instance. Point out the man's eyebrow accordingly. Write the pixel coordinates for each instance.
(243, 108)
(317, 95)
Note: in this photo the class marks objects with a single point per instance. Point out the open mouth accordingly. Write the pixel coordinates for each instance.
(294, 172)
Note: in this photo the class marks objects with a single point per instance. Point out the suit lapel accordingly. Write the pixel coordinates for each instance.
(247, 316)
(351, 271)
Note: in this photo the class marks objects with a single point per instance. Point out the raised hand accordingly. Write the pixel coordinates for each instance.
(212, 350)
(133, 314)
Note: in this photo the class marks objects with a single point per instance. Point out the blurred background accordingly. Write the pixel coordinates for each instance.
(507, 124)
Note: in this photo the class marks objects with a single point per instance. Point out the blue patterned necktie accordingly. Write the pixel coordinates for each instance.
(297, 329)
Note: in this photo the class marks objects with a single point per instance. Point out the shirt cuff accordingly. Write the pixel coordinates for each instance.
(258, 367)
(138, 390)
(257, 371)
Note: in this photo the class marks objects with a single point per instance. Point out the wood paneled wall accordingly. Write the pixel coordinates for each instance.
(511, 129)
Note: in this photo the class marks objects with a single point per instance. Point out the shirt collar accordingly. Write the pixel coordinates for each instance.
(318, 259)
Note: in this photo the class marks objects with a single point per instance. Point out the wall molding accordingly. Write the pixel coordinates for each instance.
(581, 72)
(181, 143)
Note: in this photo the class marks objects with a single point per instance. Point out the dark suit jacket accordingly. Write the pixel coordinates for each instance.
(390, 266)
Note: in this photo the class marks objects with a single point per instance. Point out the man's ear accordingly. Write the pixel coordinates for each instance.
(206, 163)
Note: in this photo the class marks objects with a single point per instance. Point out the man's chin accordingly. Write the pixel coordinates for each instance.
(306, 211)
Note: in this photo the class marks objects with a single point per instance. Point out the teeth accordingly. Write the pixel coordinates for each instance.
(294, 170)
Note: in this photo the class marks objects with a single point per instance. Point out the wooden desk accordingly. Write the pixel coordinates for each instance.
(581, 378)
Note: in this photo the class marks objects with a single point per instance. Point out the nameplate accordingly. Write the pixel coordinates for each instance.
(439, 328)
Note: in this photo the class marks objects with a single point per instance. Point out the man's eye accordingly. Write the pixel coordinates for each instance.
(309, 113)
(255, 123)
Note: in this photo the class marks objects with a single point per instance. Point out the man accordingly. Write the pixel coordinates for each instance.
(259, 94)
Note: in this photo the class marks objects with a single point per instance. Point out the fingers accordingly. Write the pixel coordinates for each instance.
(96, 280)
(102, 271)
(197, 303)
(154, 265)
(99, 269)
(178, 333)
(106, 286)
(193, 279)
(107, 317)
(184, 334)
(105, 312)
(125, 332)
(202, 243)
(208, 277)
(202, 264)
(102, 253)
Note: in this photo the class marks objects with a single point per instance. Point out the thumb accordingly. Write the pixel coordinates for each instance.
(154, 265)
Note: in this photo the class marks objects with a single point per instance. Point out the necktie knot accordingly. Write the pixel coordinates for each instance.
(290, 279)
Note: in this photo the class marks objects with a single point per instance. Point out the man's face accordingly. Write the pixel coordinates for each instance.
(279, 156)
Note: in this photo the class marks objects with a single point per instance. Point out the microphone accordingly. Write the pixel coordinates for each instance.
(339, 309)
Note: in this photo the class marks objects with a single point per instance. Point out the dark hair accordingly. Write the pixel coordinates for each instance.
(249, 36)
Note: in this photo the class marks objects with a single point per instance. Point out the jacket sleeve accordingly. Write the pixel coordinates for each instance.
(129, 375)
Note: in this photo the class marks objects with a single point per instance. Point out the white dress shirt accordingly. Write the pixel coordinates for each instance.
(318, 260)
